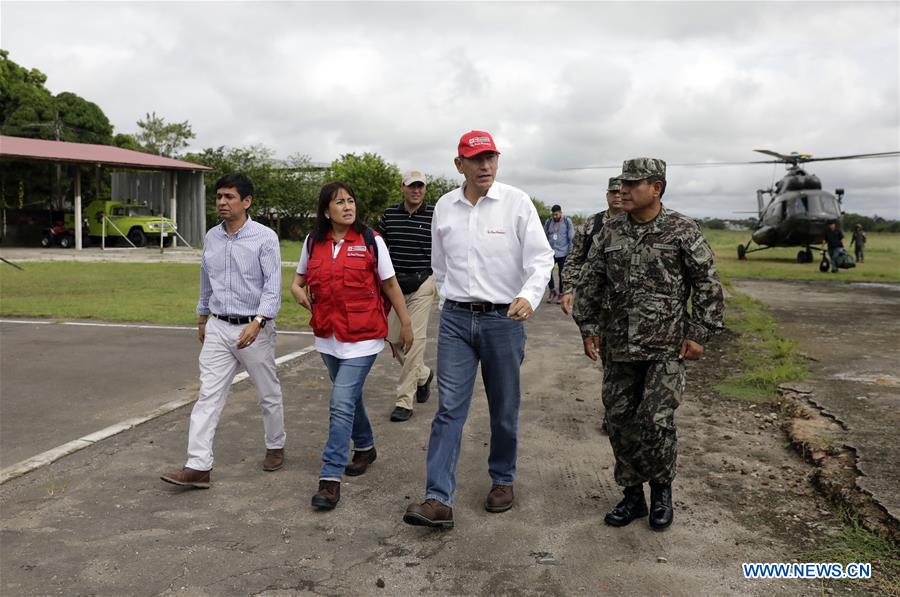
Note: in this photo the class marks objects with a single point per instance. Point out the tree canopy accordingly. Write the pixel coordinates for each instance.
(161, 137)
(375, 182)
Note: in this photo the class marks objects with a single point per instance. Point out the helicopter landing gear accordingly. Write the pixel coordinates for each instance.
(805, 256)
(742, 252)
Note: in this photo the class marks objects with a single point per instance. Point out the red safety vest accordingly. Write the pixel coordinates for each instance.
(346, 291)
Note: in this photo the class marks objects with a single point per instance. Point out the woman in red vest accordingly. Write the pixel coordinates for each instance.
(343, 277)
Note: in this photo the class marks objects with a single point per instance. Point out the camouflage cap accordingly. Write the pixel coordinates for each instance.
(615, 184)
(642, 168)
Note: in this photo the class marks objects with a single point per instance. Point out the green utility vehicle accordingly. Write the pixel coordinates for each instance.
(125, 218)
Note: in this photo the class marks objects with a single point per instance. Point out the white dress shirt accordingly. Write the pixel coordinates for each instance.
(493, 251)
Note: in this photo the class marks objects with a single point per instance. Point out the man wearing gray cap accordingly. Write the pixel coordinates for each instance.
(581, 244)
(640, 274)
(406, 228)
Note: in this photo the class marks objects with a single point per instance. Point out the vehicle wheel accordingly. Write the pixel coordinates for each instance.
(66, 241)
(808, 255)
(742, 252)
(167, 242)
(46, 240)
(801, 256)
(137, 237)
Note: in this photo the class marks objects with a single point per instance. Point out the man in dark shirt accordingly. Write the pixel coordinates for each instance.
(835, 240)
(406, 229)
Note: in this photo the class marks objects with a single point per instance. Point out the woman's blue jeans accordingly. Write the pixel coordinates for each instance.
(346, 414)
(464, 339)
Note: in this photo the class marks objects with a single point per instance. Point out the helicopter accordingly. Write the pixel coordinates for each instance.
(799, 210)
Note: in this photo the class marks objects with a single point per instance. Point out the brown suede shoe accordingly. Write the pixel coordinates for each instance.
(500, 498)
(274, 459)
(188, 477)
(361, 461)
(430, 513)
(328, 496)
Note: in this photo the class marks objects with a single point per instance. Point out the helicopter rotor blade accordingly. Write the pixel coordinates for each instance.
(860, 156)
(774, 154)
(782, 159)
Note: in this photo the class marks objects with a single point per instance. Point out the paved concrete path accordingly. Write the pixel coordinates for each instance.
(62, 382)
(101, 522)
(851, 331)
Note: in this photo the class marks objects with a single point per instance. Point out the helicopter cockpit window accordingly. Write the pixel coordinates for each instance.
(823, 205)
(797, 205)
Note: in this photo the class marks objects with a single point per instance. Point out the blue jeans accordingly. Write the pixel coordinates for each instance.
(834, 253)
(464, 339)
(346, 414)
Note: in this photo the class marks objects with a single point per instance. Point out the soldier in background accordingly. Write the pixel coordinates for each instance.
(581, 244)
(641, 272)
(859, 239)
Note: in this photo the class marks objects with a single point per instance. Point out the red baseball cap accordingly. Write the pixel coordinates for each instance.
(475, 142)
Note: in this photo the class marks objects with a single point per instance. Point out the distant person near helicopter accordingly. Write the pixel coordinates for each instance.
(858, 242)
(834, 238)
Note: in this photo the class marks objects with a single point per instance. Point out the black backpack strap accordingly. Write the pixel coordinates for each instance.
(595, 228)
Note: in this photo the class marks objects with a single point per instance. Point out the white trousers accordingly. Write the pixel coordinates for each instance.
(220, 360)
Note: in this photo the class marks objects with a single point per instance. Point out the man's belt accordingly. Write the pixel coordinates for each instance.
(235, 319)
(479, 307)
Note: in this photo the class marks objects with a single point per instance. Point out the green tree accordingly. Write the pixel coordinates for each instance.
(28, 109)
(542, 208)
(438, 186)
(163, 138)
(283, 190)
(375, 182)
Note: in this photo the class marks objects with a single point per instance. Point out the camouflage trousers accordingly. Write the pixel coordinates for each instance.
(640, 399)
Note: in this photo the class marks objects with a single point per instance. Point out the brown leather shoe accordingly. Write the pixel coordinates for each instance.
(361, 461)
(274, 459)
(328, 496)
(500, 498)
(430, 513)
(188, 477)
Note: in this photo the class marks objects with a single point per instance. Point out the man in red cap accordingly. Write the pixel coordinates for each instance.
(491, 261)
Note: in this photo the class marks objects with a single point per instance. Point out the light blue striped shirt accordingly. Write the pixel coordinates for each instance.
(240, 274)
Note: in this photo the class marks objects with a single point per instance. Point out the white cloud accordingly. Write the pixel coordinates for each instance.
(559, 84)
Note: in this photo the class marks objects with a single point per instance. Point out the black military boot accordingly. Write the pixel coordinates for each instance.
(660, 506)
(632, 506)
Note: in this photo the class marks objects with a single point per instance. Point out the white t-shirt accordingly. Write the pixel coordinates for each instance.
(331, 345)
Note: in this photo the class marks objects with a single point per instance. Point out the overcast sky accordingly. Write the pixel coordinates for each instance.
(559, 85)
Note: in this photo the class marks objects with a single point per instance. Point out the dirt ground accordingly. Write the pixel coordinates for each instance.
(100, 522)
(849, 332)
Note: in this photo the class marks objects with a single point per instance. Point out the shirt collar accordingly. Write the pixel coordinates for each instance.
(239, 230)
(493, 192)
(422, 208)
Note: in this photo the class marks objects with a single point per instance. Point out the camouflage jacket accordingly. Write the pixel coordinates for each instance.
(636, 284)
(584, 234)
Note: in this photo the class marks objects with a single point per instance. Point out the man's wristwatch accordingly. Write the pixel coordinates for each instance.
(260, 320)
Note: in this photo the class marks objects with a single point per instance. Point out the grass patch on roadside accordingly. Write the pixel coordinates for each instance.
(768, 358)
(856, 544)
(882, 262)
(127, 292)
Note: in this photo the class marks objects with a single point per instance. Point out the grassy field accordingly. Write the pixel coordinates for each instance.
(882, 260)
(167, 293)
(767, 359)
(157, 293)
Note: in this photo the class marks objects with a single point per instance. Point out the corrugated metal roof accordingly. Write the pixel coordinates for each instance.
(19, 148)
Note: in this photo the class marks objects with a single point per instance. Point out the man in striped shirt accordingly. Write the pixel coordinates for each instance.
(240, 286)
(406, 228)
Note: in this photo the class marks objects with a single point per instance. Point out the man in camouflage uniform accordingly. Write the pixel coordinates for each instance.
(641, 272)
(581, 244)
